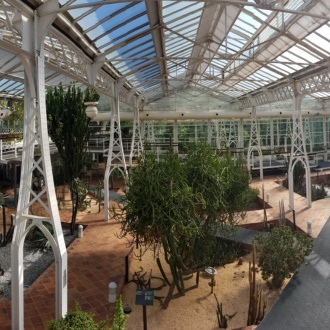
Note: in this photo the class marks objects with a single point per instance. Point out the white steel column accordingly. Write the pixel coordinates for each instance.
(209, 132)
(325, 142)
(116, 157)
(216, 127)
(223, 135)
(241, 134)
(278, 135)
(271, 133)
(136, 145)
(214, 133)
(33, 30)
(308, 135)
(288, 134)
(232, 135)
(175, 136)
(196, 133)
(254, 144)
(298, 149)
(149, 130)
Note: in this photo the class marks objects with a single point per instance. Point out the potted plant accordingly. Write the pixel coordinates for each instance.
(91, 100)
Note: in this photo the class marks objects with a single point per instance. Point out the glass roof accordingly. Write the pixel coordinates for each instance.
(221, 48)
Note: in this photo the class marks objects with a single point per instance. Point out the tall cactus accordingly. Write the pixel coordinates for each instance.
(281, 217)
(257, 304)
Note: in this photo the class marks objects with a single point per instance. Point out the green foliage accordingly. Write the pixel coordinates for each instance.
(253, 195)
(38, 238)
(91, 95)
(179, 205)
(58, 172)
(119, 318)
(17, 113)
(77, 320)
(80, 320)
(80, 192)
(281, 253)
(68, 127)
(298, 176)
(2, 199)
(215, 252)
(318, 192)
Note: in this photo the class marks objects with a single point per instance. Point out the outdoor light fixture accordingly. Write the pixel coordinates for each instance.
(91, 109)
(4, 112)
(112, 295)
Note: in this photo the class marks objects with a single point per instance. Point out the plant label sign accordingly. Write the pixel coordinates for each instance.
(144, 297)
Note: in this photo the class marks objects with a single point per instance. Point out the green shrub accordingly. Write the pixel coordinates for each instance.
(80, 320)
(119, 318)
(77, 320)
(38, 238)
(281, 253)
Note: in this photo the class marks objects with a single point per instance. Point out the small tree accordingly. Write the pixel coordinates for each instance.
(69, 129)
(119, 318)
(281, 253)
(80, 320)
(178, 206)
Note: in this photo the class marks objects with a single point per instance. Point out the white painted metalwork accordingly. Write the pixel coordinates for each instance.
(35, 129)
(307, 133)
(298, 150)
(136, 145)
(214, 133)
(271, 135)
(288, 134)
(254, 143)
(175, 137)
(209, 132)
(116, 156)
(223, 141)
(232, 140)
(325, 144)
(149, 131)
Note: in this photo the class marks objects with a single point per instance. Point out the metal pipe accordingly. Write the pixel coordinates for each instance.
(205, 115)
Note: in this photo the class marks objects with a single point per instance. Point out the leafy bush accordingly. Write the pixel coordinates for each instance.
(281, 253)
(77, 320)
(119, 318)
(38, 238)
(80, 320)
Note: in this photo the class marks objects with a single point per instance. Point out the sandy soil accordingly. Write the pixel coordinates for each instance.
(197, 309)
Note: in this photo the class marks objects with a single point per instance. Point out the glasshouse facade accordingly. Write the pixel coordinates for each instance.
(247, 76)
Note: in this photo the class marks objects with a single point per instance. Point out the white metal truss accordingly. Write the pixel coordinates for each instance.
(217, 140)
(35, 130)
(298, 150)
(213, 133)
(63, 54)
(307, 133)
(116, 156)
(149, 131)
(324, 147)
(136, 145)
(232, 141)
(223, 142)
(209, 132)
(288, 134)
(254, 144)
(319, 82)
(175, 137)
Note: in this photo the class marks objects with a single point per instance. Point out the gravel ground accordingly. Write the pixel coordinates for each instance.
(36, 261)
